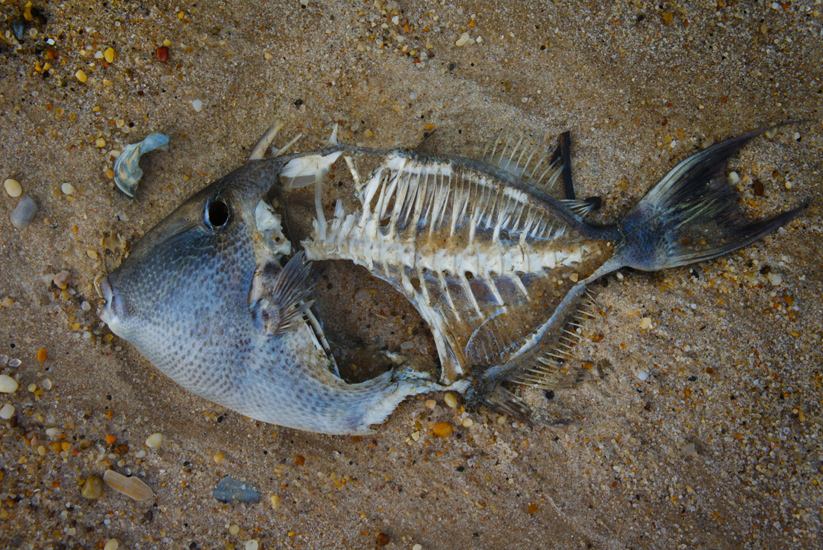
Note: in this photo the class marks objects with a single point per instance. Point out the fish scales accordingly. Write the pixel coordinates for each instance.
(214, 297)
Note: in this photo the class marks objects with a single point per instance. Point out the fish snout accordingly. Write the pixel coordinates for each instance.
(111, 313)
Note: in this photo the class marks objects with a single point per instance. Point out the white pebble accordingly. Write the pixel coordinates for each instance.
(463, 40)
(197, 104)
(8, 384)
(734, 178)
(7, 411)
(417, 547)
(15, 362)
(645, 323)
(154, 441)
(775, 278)
(67, 189)
(52, 433)
(252, 544)
(47, 384)
(450, 399)
(643, 375)
(13, 187)
(111, 544)
(85, 306)
(23, 213)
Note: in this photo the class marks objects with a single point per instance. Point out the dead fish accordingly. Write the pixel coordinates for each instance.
(205, 298)
(494, 264)
(497, 267)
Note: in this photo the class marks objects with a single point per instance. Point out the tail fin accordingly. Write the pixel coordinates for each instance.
(691, 215)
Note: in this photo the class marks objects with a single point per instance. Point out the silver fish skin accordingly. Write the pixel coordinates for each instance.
(204, 298)
(497, 266)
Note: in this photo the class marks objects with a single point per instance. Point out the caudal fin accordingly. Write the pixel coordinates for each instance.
(692, 215)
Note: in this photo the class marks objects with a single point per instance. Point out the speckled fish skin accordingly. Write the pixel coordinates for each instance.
(182, 298)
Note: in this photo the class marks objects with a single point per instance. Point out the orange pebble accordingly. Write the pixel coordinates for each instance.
(110, 439)
(42, 354)
(443, 429)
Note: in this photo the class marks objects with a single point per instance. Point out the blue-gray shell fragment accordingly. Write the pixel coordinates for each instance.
(127, 172)
(229, 489)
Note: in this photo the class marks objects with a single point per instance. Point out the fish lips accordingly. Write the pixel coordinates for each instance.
(112, 312)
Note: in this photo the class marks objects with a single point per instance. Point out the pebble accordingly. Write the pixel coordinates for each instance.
(431, 404)
(645, 323)
(234, 529)
(67, 189)
(62, 280)
(8, 384)
(15, 362)
(775, 278)
(129, 486)
(154, 441)
(383, 539)
(92, 488)
(13, 188)
(417, 547)
(81, 76)
(197, 105)
(229, 489)
(450, 399)
(734, 178)
(109, 55)
(468, 422)
(23, 213)
(162, 54)
(112, 544)
(42, 355)
(643, 375)
(443, 429)
(7, 411)
(251, 545)
(463, 40)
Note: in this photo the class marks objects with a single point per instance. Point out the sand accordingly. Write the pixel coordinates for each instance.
(699, 427)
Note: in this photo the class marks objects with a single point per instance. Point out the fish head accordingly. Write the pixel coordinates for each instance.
(192, 272)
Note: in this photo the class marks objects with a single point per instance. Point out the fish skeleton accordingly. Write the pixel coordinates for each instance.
(494, 264)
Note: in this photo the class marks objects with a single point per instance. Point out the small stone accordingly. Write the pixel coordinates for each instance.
(162, 54)
(645, 323)
(734, 178)
(111, 544)
(431, 404)
(154, 441)
(129, 486)
(42, 354)
(100, 143)
(443, 429)
(383, 539)
(109, 55)
(643, 375)
(15, 362)
(47, 384)
(275, 501)
(23, 213)
(463, 40)
(775, 278)
(7, 411)
(53, 433)
(218, 458)
(468, 422)
(81, 76)
(251, 545)
(8, 384)
(67, 189)
(417, 547)
(92, 488)
(197, 105)
(62, 280)
(234, 529)
(229, 489)
(13, 188)
(450, 400)
(368, 133)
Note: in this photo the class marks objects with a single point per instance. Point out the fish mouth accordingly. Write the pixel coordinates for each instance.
(107, 314)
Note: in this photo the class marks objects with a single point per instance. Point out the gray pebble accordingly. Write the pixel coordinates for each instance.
(229, 489)
(23, 213)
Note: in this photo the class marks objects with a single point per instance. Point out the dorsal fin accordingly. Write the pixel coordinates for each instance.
(521, 157)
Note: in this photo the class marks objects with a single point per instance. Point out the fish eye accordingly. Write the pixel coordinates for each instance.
(217, 213)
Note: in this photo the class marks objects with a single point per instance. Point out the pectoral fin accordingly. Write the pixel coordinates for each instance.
(280, 295)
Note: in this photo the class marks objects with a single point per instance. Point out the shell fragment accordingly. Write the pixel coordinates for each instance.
(127, 172)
